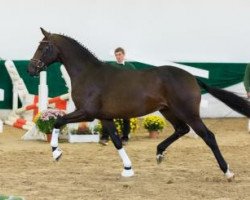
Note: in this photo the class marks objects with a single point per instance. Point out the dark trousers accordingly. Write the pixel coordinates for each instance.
(125, 130)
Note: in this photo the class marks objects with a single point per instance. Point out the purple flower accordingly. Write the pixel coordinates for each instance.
(51, 113)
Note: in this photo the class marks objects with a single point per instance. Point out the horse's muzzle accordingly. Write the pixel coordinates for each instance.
(32, 69)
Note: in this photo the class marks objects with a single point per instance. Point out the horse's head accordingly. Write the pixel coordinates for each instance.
(46, 54)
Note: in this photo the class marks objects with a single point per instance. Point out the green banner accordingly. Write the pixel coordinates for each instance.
(221, 75)
(56, 84)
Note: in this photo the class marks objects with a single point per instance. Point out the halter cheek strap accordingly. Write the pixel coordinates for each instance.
(40, 65)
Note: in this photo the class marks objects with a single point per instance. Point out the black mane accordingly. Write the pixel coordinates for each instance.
(82, 49)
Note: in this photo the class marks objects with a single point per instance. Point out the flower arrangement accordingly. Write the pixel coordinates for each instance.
(45, 121)
(134, 125)
(154, 123)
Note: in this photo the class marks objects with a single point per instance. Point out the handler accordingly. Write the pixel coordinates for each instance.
(121, 63)
(247, 80)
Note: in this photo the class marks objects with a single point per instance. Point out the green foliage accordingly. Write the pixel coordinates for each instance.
(154, 123)
(98, 128)
(45, 121)
(3, 197)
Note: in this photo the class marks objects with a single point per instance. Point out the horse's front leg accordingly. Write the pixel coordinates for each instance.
(110, 126)
(76, 116)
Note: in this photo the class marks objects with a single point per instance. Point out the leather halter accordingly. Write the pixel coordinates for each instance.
(41, 65)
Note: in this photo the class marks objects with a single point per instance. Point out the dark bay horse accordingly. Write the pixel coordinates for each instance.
(96, 92)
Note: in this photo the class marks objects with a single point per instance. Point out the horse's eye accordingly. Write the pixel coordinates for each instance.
(46, 49)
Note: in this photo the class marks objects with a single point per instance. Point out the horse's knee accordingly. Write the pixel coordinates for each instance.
(60, 121)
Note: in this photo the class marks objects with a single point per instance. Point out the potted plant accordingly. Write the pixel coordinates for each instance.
(154, 124)
(82, 133)
(45, 121)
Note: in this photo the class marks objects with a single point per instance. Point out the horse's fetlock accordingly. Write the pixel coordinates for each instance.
(160, 149)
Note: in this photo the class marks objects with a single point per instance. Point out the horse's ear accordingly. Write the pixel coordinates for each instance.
(45, 33)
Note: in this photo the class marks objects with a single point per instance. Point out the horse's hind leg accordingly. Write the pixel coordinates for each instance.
(127, 171)
(209, 138)
(181, 128)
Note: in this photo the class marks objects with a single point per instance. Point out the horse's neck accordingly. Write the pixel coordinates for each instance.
(75, 64)
(74, 67)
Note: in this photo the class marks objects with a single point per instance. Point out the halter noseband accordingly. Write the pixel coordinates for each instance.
(38, 63)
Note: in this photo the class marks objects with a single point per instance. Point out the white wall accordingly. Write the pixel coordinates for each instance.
(213, 108)
(175, 30)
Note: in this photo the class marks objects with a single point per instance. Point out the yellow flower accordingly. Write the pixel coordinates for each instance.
(119, 125)
(36, 117)
(152, 123)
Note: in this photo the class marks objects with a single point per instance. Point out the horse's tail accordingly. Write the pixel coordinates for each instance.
(235, 102)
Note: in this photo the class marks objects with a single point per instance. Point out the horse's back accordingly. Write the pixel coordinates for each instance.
(174, 75)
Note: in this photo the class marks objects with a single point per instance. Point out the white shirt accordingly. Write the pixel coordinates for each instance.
(123, 62)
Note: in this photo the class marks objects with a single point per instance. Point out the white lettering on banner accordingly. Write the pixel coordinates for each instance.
(1, 95)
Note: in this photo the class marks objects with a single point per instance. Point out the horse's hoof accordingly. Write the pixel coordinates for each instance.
(128, 172)
(231, 179)
(57, 154)
(229, 175)
(159, 158)
(58, 158)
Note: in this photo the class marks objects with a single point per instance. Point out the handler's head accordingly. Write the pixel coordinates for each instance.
(119, 55)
